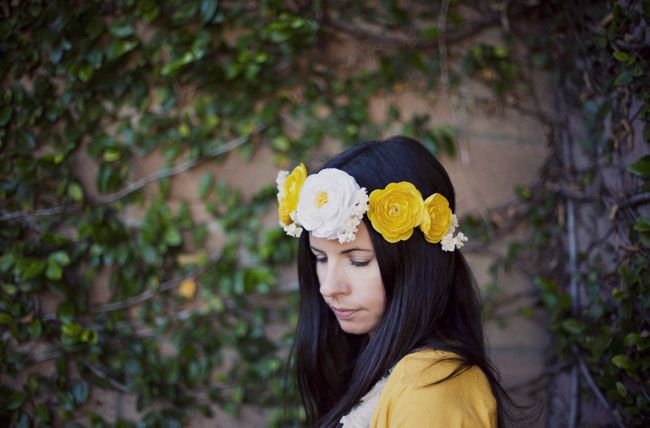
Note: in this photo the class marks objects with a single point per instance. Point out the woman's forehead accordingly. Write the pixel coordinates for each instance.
(362, 242)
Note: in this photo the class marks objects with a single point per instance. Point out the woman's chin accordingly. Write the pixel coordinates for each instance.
(351, 328)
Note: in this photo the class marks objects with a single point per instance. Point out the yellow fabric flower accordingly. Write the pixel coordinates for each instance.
(437, 218)
(290, 192)
(395, 210)
(187, 288)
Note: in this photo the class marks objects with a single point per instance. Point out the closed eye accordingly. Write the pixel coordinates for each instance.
(360, 263)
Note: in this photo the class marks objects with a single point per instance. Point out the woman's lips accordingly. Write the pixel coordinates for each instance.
(344, 314)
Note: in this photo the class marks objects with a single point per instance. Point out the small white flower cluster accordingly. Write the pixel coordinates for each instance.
(348, 231)
(293, 229)
(279, 181)
(450, 242)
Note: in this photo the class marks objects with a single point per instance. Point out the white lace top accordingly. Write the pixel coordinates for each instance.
(361, 415)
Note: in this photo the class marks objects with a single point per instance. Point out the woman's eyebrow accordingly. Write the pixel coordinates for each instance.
(349, 250)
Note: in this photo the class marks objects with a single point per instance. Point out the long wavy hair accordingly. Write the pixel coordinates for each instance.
(431, 297)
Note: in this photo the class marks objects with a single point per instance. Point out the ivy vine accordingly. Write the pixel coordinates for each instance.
(182, 329)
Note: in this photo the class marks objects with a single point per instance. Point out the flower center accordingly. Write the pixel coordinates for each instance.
(321, 199)
(393, 209)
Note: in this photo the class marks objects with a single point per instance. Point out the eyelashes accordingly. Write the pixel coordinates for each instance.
(356, 263)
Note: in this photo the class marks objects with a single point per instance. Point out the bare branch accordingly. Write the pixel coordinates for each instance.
(400, 40)
(148, 294)
(175, 170)
(640, 198)
(133, 187)
(571, 242)
(112, 382)
(539, 379)
(442, 45)
(584, 371)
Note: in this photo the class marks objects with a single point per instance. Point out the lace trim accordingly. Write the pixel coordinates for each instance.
(361, 415)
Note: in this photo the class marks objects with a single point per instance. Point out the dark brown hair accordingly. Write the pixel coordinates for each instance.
(431, 297)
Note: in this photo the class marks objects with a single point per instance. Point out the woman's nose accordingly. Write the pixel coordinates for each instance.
(333, 283)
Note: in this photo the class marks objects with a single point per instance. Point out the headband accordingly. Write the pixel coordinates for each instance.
(330, 204)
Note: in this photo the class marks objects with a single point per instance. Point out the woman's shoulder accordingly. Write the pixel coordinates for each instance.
(428, 366)
(420, 392)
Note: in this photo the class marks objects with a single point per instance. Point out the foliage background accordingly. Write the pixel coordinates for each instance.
(90, 88)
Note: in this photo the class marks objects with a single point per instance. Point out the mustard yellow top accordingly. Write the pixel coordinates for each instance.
(409, 400)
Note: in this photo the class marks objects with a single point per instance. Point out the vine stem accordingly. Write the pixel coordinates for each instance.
(631, 201)
(148, 294)
(584, 371)
(442, 45)
(115, 384)
(397, 40)
(137, 185)
(574, 403)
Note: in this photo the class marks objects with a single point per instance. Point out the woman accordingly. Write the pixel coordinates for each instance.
(389, 330)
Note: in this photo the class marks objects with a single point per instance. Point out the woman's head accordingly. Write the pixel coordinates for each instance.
(413, 271)
(351, 277)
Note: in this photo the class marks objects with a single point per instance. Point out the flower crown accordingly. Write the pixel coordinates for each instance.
(330, 204)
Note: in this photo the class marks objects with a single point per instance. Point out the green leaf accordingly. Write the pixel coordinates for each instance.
(641, 167)
(5, 115)
(15, 400)
(35, 328)
(148, 10)
(573, 326)
(642, 225)
(111, 155)
(35, 9)
(119, 48)
(54, 272)
(66, 312)
(631, 339)
(208, 9)
(5, 318)
(42, 413)
(80, 391)
(524, 192)
(72, 329)
(205, 185)
(622, 56)
(624, 78)
(621, 389)
(22, 421)
(75, 192)
(34, 269)
(59, 257)
(172, 237)
(6, 262)
(431, 33)
(622, 361)
(281, 143)
(121, 29)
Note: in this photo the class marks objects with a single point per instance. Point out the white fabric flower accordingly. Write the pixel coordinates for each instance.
(331, 205)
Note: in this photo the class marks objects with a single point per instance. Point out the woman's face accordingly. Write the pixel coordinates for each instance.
(350, 282)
